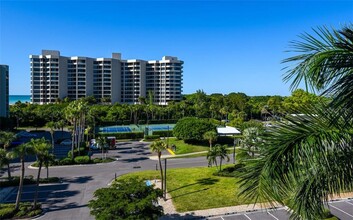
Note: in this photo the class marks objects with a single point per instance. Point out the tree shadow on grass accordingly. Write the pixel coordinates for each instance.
(203, 182)
(188, 193)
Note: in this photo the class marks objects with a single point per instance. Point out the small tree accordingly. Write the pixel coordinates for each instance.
(222, 154)
(41, 150)
(210, 136)
(212, 156)
(158, 147)
(127, 199)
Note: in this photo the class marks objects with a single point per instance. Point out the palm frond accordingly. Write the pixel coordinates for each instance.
(294, 153)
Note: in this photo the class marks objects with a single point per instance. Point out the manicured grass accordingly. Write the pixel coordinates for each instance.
(184, 148)
(196, 188)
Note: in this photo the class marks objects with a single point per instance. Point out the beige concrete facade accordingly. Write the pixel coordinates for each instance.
(56, 77)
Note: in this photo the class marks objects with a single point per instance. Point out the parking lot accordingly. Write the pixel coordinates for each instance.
(342, 209)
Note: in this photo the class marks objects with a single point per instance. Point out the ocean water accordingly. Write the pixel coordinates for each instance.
(23, 98)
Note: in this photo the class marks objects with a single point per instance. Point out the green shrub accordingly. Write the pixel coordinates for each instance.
(151, 137)
(82, 159)
(164, 133)
(124, 135)
(191, 129)
(97, 160)
(7, 211)
(83, 151)
(66, 161)
(49, 180)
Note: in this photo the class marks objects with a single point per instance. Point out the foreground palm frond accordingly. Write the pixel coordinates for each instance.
(304, 161)
(325, 64)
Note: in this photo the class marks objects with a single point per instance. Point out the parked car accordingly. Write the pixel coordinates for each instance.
(66, 142)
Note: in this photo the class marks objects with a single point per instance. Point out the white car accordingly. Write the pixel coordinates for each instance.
(66, 142)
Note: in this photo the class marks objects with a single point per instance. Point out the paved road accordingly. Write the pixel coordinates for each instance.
(69, 199)
(79, 182)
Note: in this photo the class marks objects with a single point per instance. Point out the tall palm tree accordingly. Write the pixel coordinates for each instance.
(6, 139)
(5, 161)
(41, 149)
(158, 147)
(308, 158)
(21, 152)
(210, 136)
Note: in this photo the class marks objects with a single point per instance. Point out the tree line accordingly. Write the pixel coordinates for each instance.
(233, 107)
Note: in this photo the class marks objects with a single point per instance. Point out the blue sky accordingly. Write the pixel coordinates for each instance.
(227, 46)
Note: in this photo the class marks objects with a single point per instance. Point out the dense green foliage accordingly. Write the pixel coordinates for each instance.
(307, 158)
(236, 107)
(192, 129)
(129, 198)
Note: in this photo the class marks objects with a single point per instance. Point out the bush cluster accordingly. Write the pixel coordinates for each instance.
(163, 133)
(124, 135)
(7, 211)
(82, 160)
(151, 137)
(191, 129)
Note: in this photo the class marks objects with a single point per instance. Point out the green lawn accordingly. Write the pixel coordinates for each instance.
(184, 148)
(196, 188)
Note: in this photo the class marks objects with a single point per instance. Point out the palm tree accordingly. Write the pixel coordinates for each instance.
(222, 154)
(6, 139)
(212, 157)
(158, 147)
(5, 161)
(308, 158)
(41, 150)
(21, 152)
(102, 142)
(211, 136)
(51, 125)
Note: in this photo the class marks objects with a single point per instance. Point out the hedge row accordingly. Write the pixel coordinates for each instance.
(164, 133)
(123, 135)
(128, 122)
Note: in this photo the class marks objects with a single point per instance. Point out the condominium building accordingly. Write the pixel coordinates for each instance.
(4, 91)
(56, 77)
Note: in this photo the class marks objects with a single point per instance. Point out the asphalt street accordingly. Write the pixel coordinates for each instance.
(69, 199)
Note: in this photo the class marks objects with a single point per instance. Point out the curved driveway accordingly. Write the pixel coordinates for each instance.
(69, 199)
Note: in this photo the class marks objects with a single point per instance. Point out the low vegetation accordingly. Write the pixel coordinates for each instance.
(28, 180)
(26, 210)
(197, 188)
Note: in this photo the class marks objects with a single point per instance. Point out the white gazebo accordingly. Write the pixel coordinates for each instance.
(227, 131)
